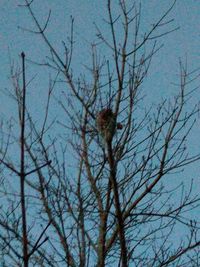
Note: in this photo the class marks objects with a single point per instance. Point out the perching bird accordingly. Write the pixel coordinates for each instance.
(107, 125)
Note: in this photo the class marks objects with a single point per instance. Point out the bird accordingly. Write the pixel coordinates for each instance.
(106, 124)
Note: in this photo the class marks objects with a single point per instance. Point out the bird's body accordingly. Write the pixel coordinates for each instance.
(106, 124)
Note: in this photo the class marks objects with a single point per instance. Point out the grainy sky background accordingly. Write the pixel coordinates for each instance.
(184, 43)
(181, 44)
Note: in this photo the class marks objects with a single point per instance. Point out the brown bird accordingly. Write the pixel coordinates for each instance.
(106, 124)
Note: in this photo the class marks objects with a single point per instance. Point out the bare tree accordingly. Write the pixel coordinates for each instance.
(100, 191)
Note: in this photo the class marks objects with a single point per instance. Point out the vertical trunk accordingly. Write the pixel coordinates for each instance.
(22, 169)
(103, 229)
(119, 215)
(101, 241)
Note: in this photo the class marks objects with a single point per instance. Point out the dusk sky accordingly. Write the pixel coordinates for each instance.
(184, 44)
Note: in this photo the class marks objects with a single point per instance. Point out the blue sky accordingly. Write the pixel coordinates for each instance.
(184, 43)
(164, 70)
(181, 44)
